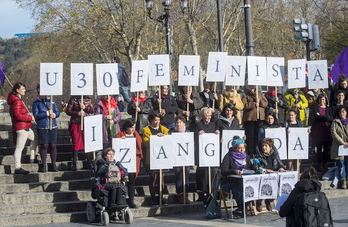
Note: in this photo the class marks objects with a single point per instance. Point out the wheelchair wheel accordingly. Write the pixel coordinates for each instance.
(105, 218)
(128, 216)
(90, 212)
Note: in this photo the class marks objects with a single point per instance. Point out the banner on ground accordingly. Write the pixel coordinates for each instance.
(107, 80)
(279, 137)
(183, 148)
(93, 133)
(161, 152)
(298, 143)
(51, 78)
(125, 152)
(81, 78)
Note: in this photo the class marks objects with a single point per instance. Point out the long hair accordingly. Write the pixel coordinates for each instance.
(309, 173)
(16, 86)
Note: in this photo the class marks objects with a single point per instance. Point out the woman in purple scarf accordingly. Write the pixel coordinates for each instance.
(339, 133)
(233, 163)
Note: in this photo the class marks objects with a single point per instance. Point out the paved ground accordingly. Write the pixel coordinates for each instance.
(272, 219)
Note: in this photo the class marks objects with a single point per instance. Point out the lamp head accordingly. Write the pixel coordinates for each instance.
(149, 4)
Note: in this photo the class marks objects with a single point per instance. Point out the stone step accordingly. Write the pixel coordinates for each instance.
(9, 150)
(35, 187)
(45, 177)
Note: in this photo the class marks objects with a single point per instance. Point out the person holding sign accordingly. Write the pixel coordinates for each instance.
(180, 126)
(251, 118)
(297, 101)
(21, 125)
(166, 105)
(320, 130)
(270, 161)
(230, 95)
(339, 132)
(210, 98)
(77, 109)
(276, 104)
(234, 162)
(107, 106)
(128, 131)
(228, 119)
(270, 121)
(204, 126)
(47, 137)
(141, 107)
(189, 104)
(153, 129)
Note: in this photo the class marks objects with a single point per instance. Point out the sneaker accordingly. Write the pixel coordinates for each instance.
(21, 171)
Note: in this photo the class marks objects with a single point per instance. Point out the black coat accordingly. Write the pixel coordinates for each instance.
(282, 105)
(304, 185)
(228, 166)
(169, 104)
(145, 109)
(276, 162)
(224, 124)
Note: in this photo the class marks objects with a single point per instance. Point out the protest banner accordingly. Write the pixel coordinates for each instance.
(93, 133)
(183, 148)
(317, 74)
(217, 65)
(159, 70)
(279, 137)
(298, 143)
(296, 73)
(236, 68)
(125, 152)
(140, 73)
(251, 184)
(268, 186)
(189, 70)
(275, 71)
(209, 150)
(161, 152)
(81, 79)
(51, 78)
(287, 181)
(107, 80)
(227, 138)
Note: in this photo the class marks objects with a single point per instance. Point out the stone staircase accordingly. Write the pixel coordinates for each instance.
(61, 197)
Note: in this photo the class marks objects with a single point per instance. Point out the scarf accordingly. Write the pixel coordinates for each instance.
(344, 121)
(134, 99)
(106, 106)
(239, 159)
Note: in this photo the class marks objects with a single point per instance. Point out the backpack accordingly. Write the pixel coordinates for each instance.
(113, 174)
(126, 77)
(312, 209)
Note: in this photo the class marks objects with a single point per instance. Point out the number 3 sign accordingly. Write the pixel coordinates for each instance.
(82, 79)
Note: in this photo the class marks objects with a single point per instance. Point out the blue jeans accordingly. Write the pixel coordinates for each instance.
(125, 94)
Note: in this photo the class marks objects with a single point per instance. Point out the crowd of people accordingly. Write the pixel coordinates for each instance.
(324, 111)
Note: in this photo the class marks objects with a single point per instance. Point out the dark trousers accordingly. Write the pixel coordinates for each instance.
(323, 149)
(179, 179)
(202, 178)
(237, 190)
(131, 188)
(251, 133)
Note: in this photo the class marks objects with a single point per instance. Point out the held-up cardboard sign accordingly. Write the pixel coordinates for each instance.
(51, 79)
(279, 137)
(125, 152)
(93, 133)
(298, 143)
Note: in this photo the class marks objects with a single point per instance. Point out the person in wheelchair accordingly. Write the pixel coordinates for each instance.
(110, 178)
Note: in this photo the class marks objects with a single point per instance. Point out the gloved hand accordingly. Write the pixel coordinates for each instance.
(100, 186)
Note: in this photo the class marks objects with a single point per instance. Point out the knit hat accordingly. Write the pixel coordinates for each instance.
(236, 142)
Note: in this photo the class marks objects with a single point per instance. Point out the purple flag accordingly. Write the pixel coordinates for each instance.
(340, 66)
(2, 75)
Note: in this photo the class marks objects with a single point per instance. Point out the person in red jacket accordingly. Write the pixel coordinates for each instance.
(128, 131)
(21, 124)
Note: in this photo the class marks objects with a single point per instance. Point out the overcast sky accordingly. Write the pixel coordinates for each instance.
(13, 19)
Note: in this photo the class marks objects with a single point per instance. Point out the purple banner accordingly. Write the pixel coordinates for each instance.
(2, 75)
(340, 66)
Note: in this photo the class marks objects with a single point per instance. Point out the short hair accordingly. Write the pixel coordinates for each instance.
(342, 78)
(309, 173)
(204, 111)
(181, 118)
(323, 96)
(16, 86)
(229, 106)
(153, 115)
(127, 124)
(292, 110)
(338, 110)
(106, 151)
(268, 141)
(339, 91)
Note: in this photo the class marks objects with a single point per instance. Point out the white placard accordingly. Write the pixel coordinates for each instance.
(209, 150)
(125, 152)
(140, 74)
(257, 70)
(298, 143)
(81, 78)
(227, 137)
(93, 133)
(268, 186)
(161, 152)
(251, 184)
(183, 148)
(279, 137)
(287, 181)
(188, 70)
(216, 70)
(317, 74)
(296, 73)
(275, 71)
(342, 150)
(236, 68)
(107, 80)
(51, 78)
(159, 70)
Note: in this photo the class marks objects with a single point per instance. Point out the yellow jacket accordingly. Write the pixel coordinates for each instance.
(292, 104)
(227, 97)
(146, 140)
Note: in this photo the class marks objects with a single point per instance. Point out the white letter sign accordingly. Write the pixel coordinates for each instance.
(159, 70)
(125, 152)
(161, 152)
(236, 67)
(227, 136)
(93, 133)
(317, 74)
(107, 81)
(216, 70)
(275, 71)
(140, 73)
(183, 148)
(279, 137)
(298, 143)
(188, 70)
(81, 78)
(209, 150)
(257, 70)
(296, 73)
(51, 78)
